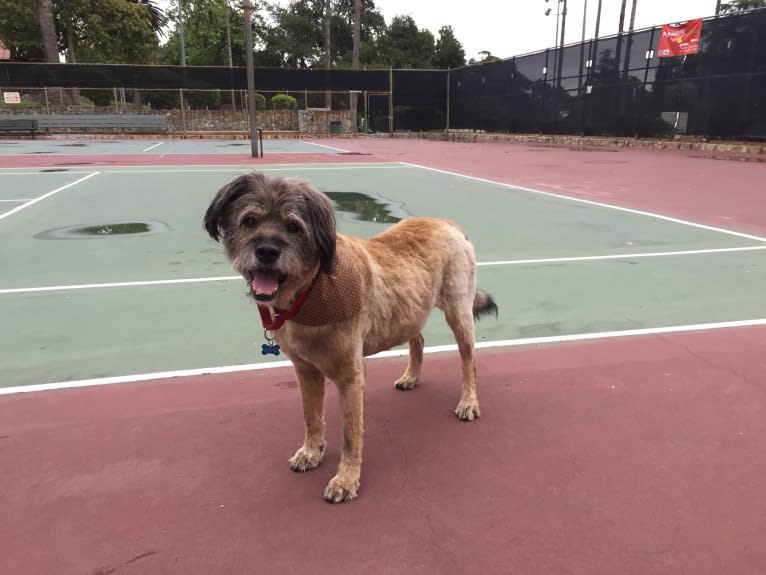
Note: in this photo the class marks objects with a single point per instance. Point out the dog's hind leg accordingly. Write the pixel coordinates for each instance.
(312, 384)
(461, 324)
(415, 361)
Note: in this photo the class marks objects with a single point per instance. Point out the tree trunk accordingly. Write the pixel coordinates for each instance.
(48, 30)
(355, 60)
(138, 103)
(327, 46)
(71, 58)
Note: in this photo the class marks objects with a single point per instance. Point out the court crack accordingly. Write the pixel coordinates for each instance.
(120, 568)
(730, 370)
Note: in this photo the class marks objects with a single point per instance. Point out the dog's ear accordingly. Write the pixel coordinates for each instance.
(321, 218)
(223, 199)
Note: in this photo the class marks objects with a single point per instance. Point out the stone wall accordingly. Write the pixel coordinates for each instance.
(675, 143)
(303, 121)
(320, 121)
(231, 120)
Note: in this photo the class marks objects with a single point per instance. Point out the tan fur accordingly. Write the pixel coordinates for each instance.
(405, 272)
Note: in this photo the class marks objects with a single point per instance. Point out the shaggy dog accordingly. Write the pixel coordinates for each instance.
(329, 300)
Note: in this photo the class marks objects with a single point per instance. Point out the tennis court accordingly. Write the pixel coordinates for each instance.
(622, 403)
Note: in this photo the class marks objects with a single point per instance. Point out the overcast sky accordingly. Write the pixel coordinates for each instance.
(512, 27)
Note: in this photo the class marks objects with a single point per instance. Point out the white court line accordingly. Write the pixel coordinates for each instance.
(324, 146)
(154, 146)
(56, 171)
(487, 264)
(622, 256)
(286, 168)
(598, 204)
(49, 194)
(391, 353)
(120, 284)
(175, 168)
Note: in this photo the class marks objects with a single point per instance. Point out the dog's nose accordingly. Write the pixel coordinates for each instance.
(267, 253)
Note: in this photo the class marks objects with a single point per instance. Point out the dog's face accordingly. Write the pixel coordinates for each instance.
(277, 232)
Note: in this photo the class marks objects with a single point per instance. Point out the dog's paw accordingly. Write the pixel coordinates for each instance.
(306, 459)
(341, 489)
(405, 382)
(468, 410)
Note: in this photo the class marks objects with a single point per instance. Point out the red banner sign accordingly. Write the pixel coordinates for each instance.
(680, 39)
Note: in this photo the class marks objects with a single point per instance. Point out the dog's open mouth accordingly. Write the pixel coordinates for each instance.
(264, 284)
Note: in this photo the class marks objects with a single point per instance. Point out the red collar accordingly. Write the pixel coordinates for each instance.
(273, 324)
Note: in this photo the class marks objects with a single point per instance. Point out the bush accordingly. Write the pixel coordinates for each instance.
(260, 102)
(284, 102)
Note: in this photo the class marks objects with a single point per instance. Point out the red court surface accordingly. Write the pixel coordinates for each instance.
(630, 456)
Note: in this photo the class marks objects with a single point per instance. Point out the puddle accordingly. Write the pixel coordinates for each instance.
(55, 170)
(103, 230)
(368, 208)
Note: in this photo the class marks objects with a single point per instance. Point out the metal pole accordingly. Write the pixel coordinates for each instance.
(183, 61)
(632, 16)
(718, 7)
(391, 101)
(250, 78)
(561, 43)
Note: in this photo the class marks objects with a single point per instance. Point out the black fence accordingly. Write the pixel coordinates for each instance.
(608, 86)
(619, 86)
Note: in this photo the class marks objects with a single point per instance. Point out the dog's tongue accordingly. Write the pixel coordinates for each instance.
(264, 282)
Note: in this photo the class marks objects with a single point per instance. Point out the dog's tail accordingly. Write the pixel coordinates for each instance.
(483, 304)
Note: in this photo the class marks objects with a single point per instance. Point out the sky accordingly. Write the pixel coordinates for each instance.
(512, 27)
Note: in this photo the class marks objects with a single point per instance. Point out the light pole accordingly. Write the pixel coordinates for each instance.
(556, 38)
(559, 44)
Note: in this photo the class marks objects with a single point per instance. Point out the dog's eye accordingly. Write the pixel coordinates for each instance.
(249, 222)
(293, 228)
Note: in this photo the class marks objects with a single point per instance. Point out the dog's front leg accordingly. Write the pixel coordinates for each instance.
(345, 484)
(312, 384)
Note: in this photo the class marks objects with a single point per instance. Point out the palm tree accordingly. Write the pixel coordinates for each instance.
(156, 16)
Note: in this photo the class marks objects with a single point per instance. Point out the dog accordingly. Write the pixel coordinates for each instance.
(328, 300)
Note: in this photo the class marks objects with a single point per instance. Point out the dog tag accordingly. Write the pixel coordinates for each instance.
(269, 348)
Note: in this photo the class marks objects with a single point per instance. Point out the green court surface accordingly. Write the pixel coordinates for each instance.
(594, 268)
(158, 147)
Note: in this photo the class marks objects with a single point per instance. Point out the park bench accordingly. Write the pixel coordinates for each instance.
(16, 125)
(87, 122)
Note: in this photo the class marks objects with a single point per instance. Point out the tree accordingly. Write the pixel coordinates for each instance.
(486, 56)
(449, 51)
(371, 26)
(205, 40)
(742, 5)
(20, 30)
(403, 45)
